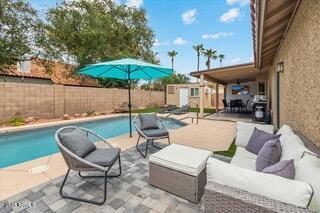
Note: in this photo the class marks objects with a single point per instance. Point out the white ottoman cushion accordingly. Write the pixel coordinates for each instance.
(181, 158)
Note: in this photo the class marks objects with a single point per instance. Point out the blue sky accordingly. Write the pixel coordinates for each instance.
(223, 25)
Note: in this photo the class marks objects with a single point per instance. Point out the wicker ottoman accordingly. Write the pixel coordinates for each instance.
(180, 170)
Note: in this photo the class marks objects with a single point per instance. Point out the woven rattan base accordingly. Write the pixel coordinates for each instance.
(183, 185)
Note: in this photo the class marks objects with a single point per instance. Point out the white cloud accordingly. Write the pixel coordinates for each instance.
(179, 41)
(134, 3)
(230, 16)
(216, 35)
(159, 43)
(241, 2)
(189, 16)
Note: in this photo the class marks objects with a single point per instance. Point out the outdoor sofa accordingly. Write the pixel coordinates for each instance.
(238, 187)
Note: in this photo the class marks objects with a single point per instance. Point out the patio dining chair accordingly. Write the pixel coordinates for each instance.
(232, 105)
(151, 128)
(238, 105)
(225, 105)
(84, 150)
(245, 106)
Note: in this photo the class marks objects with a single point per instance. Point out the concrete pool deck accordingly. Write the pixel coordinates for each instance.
(210, 135)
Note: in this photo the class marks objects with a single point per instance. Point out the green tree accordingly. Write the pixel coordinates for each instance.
(20, 28)
(210, 54)
(221, 58)
(198, 48)
(172, 54)
(176, 78)
(96, 31)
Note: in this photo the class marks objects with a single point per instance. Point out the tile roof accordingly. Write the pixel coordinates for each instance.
(57, 72)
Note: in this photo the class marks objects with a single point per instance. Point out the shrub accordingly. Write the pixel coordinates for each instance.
(90, 112)
(16, 121)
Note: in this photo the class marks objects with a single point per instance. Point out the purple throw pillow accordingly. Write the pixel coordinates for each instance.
(283, 169)
(269, 154)
(258, 139)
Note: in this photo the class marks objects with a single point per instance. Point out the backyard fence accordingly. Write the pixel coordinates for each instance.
(53, 101)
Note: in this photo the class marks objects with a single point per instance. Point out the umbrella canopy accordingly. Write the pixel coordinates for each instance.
(126, 69)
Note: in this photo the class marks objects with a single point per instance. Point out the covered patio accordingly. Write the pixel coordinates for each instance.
(241, 83)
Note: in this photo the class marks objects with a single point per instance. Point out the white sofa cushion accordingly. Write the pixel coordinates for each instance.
(272, 186)
(308, 170)
(244, 132)
(244, 162)
(293, 148)
(181, 158)
(244, 159)
(285, 132)
(242, 152)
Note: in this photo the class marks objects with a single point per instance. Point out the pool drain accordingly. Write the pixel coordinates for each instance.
(38, 169)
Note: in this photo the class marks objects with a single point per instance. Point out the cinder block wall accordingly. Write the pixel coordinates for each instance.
(53, 101)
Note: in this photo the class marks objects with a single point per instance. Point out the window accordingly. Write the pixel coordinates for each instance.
(261, 88)
(194, 92)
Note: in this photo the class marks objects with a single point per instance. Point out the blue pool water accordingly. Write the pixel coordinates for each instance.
(28, 145)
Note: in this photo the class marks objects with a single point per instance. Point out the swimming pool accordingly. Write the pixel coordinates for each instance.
(23, 146)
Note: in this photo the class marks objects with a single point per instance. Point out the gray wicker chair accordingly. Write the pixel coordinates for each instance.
(105, 159)
(222, 198)
(150, 135)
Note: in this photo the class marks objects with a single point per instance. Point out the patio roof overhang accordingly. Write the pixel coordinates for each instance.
(230, 74)
(270, 22)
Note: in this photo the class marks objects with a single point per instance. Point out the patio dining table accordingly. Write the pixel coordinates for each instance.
(235, 104)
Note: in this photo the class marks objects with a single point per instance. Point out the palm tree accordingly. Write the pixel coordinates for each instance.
(198, 48)
(209, 53)
(221, 57)
(172, 54)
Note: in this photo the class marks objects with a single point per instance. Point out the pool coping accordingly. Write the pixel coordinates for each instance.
(55, 123)
(6, 130)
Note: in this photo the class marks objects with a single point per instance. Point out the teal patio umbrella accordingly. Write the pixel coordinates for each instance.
(126, 69)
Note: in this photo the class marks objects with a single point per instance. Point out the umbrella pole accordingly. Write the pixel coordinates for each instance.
(129, 105)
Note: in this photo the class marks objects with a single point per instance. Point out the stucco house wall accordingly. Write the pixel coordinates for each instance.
(299, 83)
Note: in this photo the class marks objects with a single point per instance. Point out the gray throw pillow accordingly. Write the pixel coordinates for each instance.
(269, 154)
(148, 121)
(258, 139)
(283, 168)
(77, 142)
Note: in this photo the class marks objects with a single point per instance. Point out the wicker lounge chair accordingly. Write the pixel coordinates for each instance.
(101, 156)
(167, 109)
(181, 110)
(159, 132)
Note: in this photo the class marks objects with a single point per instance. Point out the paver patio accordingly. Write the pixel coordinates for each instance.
(128, 193)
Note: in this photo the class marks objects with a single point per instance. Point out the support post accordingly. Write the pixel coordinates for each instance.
(201, 95)
(217, 97)
(129, 104)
